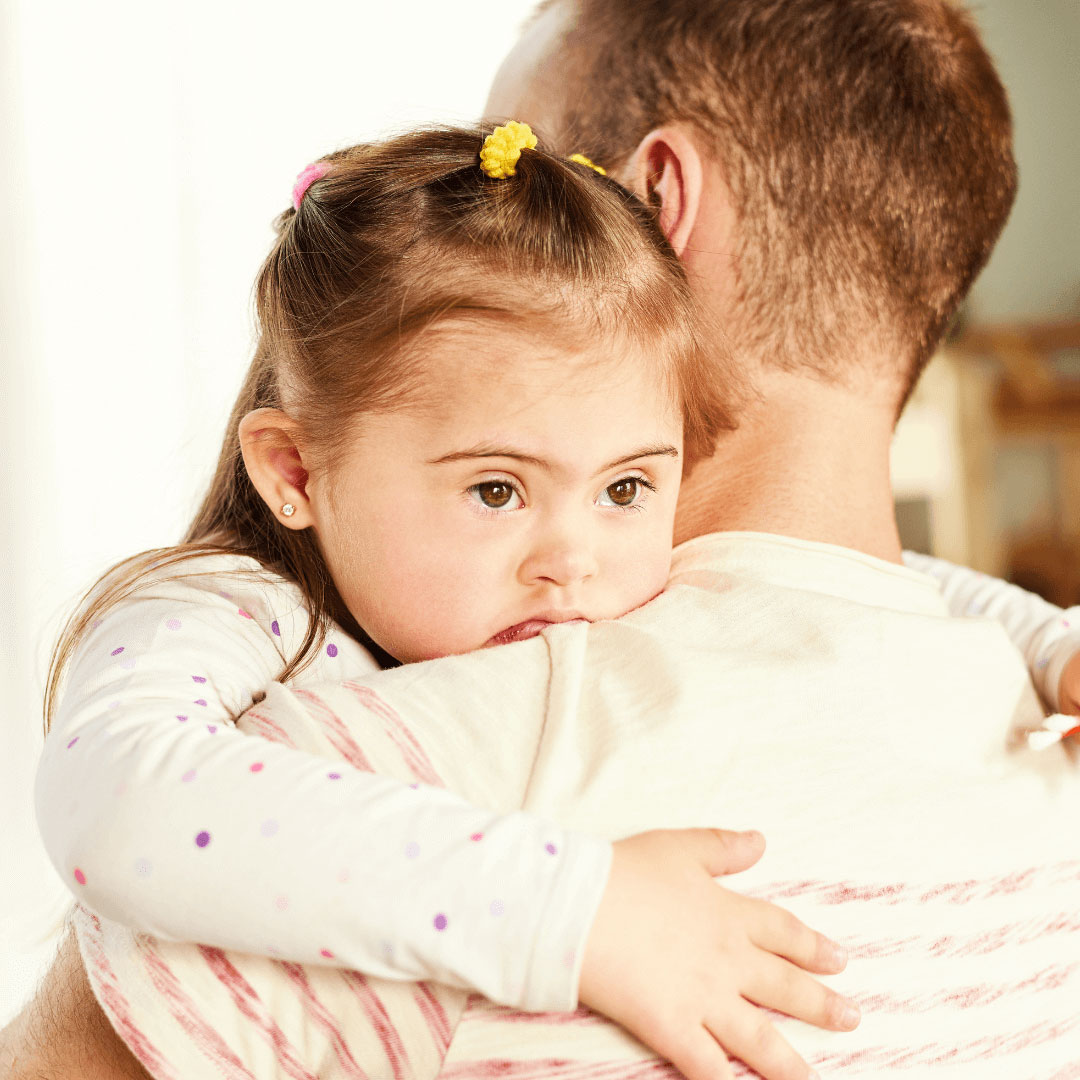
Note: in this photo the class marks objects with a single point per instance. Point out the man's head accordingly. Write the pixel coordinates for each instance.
(845, 164)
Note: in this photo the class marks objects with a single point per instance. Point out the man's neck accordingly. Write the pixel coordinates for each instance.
(810, 461)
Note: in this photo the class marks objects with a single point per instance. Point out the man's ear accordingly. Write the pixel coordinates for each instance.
(666, 172)
(272, 460)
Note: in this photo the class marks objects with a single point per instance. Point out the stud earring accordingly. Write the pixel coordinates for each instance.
(288, 509)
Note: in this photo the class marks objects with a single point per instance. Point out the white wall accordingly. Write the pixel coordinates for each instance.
(1035, 269)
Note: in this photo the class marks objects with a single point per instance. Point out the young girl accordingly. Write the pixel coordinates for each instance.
(485, 381)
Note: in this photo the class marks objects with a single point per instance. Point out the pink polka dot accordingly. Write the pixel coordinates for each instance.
(273, 950)
(73, 742)
(173, 624)
(198, 678)
(440, 921)
(143, 867)
(281, 903)
(120, 789)
(80, 877)
(551, 849)
(256, 766)
(117, 652)
(1066, 623)
(331, 651)
(412, 849)
(497, 907)
(188, 776)
(414, 786)
(275, 628)
(241, 612)
(202, 839)
(477, 836)
(569, 957)
(327, 953)
(212, 728)
(343, 875)
(333, 776)
(201, 701)
(269, 827)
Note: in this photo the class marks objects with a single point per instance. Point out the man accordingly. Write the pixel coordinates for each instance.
(833, 174)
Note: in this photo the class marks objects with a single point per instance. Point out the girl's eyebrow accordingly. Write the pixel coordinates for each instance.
(486, 450)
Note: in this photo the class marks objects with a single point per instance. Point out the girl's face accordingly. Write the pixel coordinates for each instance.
(536, 484)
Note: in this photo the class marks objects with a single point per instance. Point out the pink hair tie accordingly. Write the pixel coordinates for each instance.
(315, 171)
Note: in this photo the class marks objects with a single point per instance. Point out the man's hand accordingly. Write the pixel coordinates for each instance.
(680, 961)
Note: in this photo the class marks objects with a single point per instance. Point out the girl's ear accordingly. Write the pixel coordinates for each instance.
(666, 172)
(272, 460)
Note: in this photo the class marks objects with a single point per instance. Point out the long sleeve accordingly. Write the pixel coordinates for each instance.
(161, 815)
(1047, 635)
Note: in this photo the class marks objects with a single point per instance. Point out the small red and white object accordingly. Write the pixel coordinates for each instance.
(1055, 729)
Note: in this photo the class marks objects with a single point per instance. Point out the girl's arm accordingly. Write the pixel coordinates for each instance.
(1048, 636)
(159, 814)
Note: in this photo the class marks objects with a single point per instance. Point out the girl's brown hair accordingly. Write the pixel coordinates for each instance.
(397, 236)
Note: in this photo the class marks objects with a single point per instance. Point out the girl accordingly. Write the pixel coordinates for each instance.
(431, 328)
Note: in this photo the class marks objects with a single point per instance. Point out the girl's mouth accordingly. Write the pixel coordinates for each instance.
(528, 629)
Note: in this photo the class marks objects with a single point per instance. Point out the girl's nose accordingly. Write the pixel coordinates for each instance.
(564, 562)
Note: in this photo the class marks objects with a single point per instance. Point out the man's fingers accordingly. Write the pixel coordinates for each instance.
(747, 1033)
(778, 931)
(777, 984)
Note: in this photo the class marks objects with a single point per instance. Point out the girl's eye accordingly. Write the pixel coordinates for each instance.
(496, 495)
(625, 492)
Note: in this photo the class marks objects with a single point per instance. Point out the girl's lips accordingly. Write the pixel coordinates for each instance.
(528, 629)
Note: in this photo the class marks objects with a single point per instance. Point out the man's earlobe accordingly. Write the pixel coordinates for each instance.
(667, 174)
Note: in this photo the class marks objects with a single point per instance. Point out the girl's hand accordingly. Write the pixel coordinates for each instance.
(678, 960)
(1069, 688)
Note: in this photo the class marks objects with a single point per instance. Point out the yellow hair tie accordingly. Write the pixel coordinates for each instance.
(502, 149)
(581, 159)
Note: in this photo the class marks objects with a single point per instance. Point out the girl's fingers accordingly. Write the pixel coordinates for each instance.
(747, 1033)
(776, 984)
(699, 1057)
(778, 931)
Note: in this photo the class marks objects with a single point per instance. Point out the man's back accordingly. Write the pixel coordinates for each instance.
(861, 730)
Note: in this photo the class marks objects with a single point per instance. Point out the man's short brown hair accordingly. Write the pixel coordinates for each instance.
(867, 145)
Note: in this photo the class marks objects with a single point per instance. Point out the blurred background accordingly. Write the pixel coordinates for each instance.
(146, 149)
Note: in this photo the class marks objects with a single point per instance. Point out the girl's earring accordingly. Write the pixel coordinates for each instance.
(288, 509)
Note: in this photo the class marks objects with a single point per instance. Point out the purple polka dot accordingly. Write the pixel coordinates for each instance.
(1044, 662)
(179, 717)
(412, 849)
(128, 663)
(201, 701)
(331, 650)
(414, 786)
(80, 877)
(269, 827)
(497, 907)
(173, 624)
(202, 839)
(188, 776)
(334, 775)
(117, 652)
(551, 849)
(440, 921)
(275, 628)
(256, 766)
(73, 742)
(143, 867)
(95, 624)
(227, 595)
(212, 728)
(198, 678)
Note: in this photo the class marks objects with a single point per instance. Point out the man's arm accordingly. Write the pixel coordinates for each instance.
(63, 1032)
